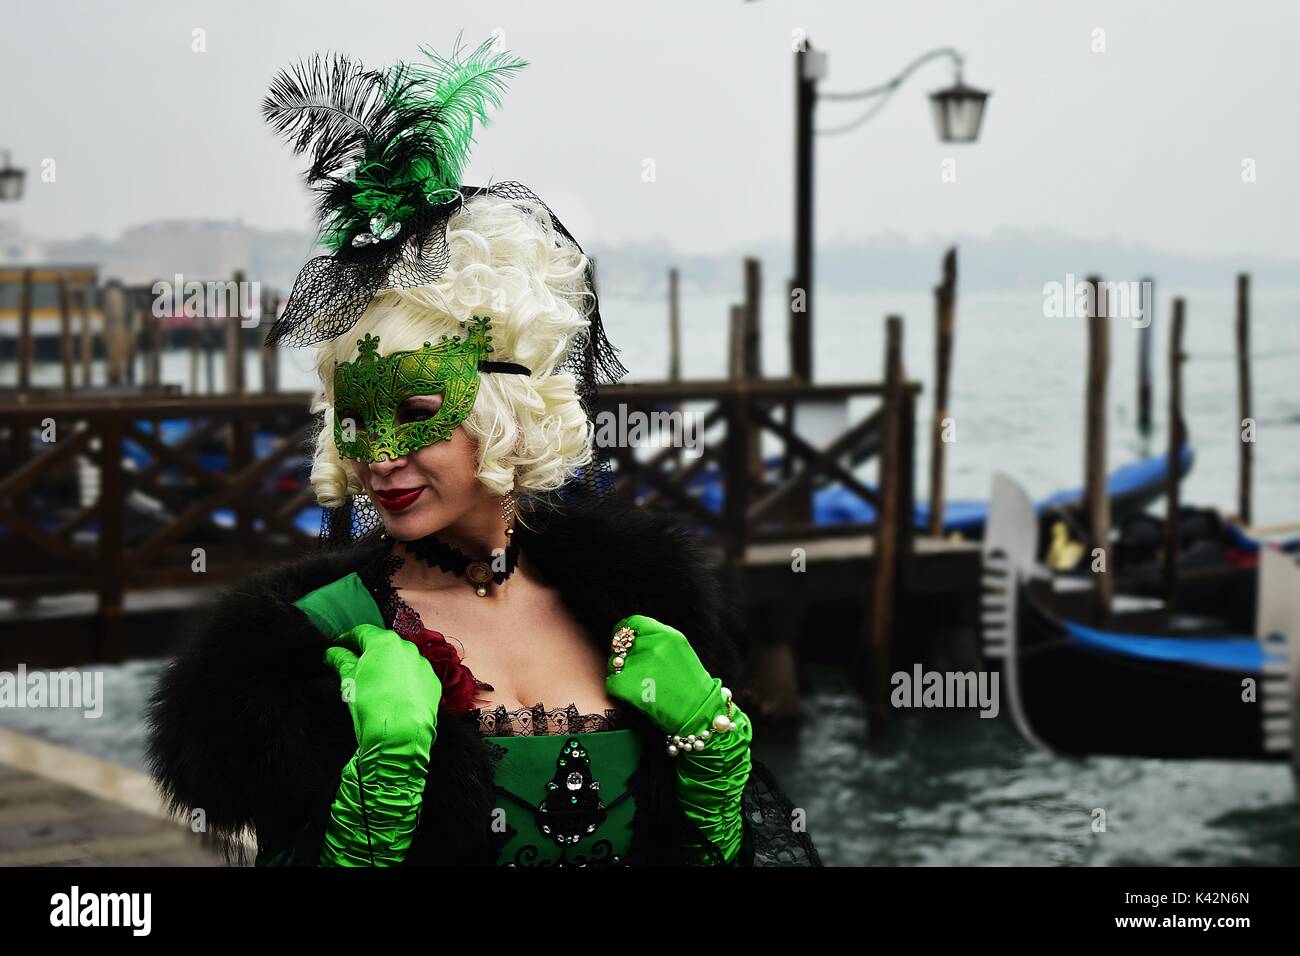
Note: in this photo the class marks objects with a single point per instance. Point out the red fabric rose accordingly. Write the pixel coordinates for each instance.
(458, 684)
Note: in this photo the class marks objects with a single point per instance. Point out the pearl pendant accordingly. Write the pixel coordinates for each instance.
(481, 591)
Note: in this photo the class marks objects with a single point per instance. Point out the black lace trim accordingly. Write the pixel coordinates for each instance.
(538, 721)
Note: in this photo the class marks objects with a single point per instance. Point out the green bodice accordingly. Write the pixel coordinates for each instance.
(565, 800)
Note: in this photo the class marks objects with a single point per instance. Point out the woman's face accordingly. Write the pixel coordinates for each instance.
(430, 489)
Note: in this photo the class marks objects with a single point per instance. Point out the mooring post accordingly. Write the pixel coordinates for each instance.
(112, 569)
(234, 339)
(1245, 471)
(1177, 434)
(1148, 300)
(85, 305)
(945, 295)
(196, 348)
(25, 344)
(878, 656)
(270, 356)
(752, 356)
(674, 326)
(114, 331)
(153, 341)
(66, 358)
(1096, 493)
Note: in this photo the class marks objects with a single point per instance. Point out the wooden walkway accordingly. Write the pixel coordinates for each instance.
(59, 807)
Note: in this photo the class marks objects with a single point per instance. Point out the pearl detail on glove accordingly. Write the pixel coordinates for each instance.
(722, 724)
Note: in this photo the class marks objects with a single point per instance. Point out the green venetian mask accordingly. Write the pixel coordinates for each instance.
(369, 393)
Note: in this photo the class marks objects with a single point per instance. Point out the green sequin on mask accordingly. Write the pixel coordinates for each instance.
(369, 392)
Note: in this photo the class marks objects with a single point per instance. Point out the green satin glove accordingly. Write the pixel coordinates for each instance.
(663, 678)
(393, 695)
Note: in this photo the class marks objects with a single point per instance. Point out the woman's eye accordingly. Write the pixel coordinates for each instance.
(418, 409)
(350, 420)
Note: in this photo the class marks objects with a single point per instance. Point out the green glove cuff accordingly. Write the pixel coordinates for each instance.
(376, 810)
(711, 782)
(662, 676)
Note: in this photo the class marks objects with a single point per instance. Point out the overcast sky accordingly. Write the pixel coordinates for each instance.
(1144, 141)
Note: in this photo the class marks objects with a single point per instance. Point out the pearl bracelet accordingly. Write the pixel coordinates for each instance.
(722, 724)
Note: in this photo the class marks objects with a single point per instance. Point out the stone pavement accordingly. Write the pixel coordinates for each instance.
(59, 807)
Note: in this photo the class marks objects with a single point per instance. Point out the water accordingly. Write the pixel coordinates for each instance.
(957, 789)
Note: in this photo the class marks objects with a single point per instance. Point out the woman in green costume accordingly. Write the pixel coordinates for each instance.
(491, 662)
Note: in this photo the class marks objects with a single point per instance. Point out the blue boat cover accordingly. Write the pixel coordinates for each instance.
(1235, 653)
(838, 505)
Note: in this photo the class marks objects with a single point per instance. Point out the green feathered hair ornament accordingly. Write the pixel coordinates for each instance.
(384, 145)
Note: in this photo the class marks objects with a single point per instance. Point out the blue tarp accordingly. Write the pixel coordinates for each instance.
(838, 505)
(1237, 653)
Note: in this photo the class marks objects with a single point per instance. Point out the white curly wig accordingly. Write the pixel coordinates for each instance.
(510, 264)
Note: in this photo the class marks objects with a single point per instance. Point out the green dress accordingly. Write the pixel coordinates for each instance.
(561, 799)
(567, 799)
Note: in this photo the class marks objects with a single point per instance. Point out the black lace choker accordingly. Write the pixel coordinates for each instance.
(479, 573)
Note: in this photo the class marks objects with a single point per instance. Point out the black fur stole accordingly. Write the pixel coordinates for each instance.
(247, 724)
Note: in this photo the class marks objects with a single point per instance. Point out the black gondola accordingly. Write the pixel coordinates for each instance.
(1078, 690)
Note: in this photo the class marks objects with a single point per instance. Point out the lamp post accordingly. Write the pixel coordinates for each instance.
(11, 180)
(958, 111)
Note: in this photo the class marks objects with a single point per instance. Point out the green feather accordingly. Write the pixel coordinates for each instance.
(463, 92)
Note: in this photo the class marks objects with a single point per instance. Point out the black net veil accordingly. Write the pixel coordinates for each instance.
(332, 292)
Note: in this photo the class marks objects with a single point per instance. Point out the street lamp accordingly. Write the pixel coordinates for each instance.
(11, 180)
(958, 111)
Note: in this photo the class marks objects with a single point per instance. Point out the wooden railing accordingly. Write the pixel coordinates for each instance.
(155, 500)
(757, 506)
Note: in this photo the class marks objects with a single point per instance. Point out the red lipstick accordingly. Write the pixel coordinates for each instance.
(398, 499)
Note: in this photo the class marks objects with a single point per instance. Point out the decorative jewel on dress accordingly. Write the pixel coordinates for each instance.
(572, 808)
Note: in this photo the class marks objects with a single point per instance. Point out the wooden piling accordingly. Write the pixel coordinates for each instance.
(753, 317)
(153, 342)
(1177, 436)
(234, 340)
(736, 344)
(877, 656)
(1148, 294)
(196, 349)
(674, 327)
(112, 570)
(1245, 469)
(945, 295)
(25, 343)
(1095, 490)
(752, 354)
(66, 357)
(85, 303)
(270, 356)
(115, 332)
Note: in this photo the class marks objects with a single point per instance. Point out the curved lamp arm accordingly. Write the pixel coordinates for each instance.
(887, 89)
